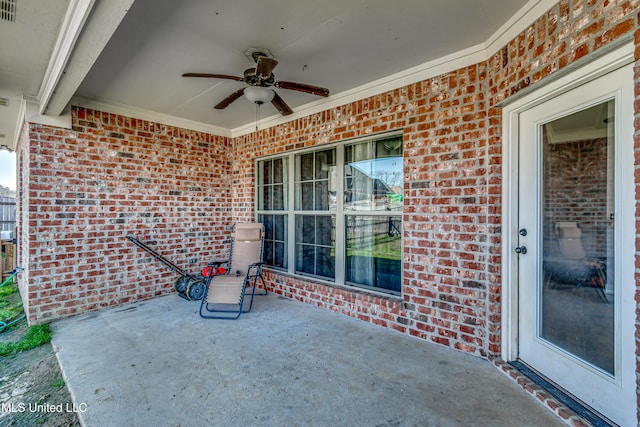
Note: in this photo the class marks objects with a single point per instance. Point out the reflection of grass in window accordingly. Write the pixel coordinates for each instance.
(384, 247)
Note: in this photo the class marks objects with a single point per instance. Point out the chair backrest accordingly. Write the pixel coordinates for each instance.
(570, 240)
(246, 246)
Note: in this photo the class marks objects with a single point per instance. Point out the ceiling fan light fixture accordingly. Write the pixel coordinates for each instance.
(258, 94)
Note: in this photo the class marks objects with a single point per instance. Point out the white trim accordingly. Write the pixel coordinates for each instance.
(152, 116)
(77, 13)
(509, 265)
(32, 115)
(510, 114)
(17, 133)
(527, 15)
(95, 29)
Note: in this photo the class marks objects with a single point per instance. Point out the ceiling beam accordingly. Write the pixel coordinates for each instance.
(87, 27)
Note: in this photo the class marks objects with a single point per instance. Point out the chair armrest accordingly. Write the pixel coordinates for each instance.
(256, 264)
(256, 267)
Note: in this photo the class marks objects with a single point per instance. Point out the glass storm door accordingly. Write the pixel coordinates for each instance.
(575, 277)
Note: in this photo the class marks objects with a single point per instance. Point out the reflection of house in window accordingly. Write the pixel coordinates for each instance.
(373, 175)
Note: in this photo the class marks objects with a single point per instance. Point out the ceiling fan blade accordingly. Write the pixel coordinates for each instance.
(229, 99)
(301, 87)
(214, 76)
(282, 106)
(265, 66)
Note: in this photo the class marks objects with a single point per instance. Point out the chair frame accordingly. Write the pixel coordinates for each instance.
(253, 274)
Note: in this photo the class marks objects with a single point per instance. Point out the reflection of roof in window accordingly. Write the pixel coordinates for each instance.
(388, 170)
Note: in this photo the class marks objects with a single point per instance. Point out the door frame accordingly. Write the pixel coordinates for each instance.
(510, 130)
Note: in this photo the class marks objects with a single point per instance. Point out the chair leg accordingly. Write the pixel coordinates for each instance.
(253, 292)
(233, 314)
(264, 287)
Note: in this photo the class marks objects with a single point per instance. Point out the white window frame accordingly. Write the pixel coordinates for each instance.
(339, 213)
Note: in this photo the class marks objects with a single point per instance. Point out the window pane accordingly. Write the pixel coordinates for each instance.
(275, 236)
(272, 190)
(305, 259)
(305, 229)
(305, 168)
(267, 222)
(315, 245)
(325, 262)
(278, 171)
(315, 184)
(266, 172)
(374, 251)
(322, 196)
(324, 162)
(268, 252)
(279, 255)
(305, 196)
(279, 227)
(324, 230)
(266, 198)
(373, 175)
(278, 197)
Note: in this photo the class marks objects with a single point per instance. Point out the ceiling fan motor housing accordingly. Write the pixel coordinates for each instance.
(252, 79)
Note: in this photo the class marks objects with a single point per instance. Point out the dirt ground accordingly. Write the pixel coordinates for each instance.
(32, 391)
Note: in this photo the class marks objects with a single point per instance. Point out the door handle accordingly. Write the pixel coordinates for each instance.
(521, 250)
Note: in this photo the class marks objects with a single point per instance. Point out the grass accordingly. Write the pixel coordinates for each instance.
(10, 303)
(10, 309)
(36, 336)
(58, 384)
(381, 246)
(8, 289)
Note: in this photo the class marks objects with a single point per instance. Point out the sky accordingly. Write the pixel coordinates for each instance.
(8, 169)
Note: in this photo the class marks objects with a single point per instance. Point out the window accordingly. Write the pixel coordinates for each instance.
(315, 245)
(315, 181)
(373, 186)
(272, 187)
(344, 207)
(275, 239)
(374, 251)
(272, 200)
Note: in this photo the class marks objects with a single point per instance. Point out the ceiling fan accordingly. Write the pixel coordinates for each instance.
(260, 80)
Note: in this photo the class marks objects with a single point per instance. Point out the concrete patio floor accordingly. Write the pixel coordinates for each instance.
(157, 363)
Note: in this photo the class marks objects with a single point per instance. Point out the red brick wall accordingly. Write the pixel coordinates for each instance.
(452, 127)
(84, 190)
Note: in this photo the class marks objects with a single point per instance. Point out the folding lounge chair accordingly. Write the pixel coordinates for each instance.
(224, 296)
(574, 267)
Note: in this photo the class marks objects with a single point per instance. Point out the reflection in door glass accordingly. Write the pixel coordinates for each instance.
(577, 309)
